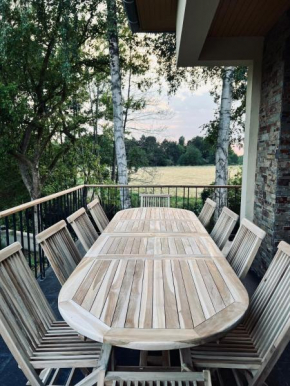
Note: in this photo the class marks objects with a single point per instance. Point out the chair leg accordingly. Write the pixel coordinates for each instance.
(101, 378)
(237, 377)
(166, 358)
(143, 358)
(207, 378)
(70, 377)
(93, 378)
(185, 360)
(98, 374)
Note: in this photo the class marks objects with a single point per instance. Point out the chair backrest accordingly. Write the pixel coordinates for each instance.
(155, 200)
(207, 212)
(60, 250)
(98, 214)
(188, 378)
(25, 314)
(268, 318)
(245, 247)
(224, 227)
(83, 227)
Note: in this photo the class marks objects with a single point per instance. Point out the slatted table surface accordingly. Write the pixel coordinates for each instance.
(159, 288)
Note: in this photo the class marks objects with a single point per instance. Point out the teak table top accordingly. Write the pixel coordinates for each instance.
(154, 280)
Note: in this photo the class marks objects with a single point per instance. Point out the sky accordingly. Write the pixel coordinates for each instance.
(183, 114)
(170, 117)
(190, 110)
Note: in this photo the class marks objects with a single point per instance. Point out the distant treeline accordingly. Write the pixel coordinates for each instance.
(147, 151)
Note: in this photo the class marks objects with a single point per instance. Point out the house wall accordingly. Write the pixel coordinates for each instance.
(272, 190)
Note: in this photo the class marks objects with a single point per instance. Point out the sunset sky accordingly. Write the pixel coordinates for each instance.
(183, 114)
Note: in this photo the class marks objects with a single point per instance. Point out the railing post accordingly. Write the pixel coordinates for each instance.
(85, 195)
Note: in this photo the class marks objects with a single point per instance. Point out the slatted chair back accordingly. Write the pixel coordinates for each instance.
(155, 200)
(83, 227)
(191, 378)
(25, 314)
(245, 247)
(98, 214)
(268, 318)
(207, 212)
(224, 227)
(60, 250)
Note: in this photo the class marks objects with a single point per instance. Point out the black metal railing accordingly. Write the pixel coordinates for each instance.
(191, 197)
(24, 222)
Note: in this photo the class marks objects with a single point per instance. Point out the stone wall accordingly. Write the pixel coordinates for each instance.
(272, 191)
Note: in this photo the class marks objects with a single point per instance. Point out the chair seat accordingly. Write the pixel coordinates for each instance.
(236, 349)
(61, 347)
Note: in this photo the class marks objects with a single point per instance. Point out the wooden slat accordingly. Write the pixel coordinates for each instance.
(112, 298)
(204, 298)
(184, 313)
(212, 290)
(192, 295)
(101, 297)
(95, 284)
(86, 283)
(132, 318)
(170, 305)
(124, 296)
(158, 296)
(146, 310)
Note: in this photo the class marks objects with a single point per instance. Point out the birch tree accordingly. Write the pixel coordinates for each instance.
(223, 140)
(116, 86)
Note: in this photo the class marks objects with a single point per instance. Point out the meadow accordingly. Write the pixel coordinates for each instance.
(177, 175)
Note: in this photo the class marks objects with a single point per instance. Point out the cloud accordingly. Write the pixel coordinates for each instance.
(190, 110)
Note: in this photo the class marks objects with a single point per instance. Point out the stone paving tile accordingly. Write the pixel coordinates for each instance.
(11, 375)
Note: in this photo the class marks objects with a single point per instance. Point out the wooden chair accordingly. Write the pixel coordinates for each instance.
(257, 343)
(40, 344)
(155, 200)
(224, 227)
(207, 212)
(117, 378)
(98, 214)
(83, 227)
(60, 250)
(245, 247)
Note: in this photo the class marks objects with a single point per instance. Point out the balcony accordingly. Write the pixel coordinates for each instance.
(24, 222)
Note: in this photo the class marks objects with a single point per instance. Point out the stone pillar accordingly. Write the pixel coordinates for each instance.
(272, 191)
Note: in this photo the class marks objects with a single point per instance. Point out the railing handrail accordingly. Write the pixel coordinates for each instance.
(162, 186)
(41, 200)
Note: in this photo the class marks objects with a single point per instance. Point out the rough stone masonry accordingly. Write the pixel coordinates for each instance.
(272, 191)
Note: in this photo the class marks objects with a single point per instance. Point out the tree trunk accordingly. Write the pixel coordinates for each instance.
(222, 150)
(31, 178)
(117, 103)
(128, 95)
(113, 174)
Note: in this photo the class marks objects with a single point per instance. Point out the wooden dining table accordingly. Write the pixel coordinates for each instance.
(153, 280)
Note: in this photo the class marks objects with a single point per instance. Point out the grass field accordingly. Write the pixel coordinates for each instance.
(178, 175)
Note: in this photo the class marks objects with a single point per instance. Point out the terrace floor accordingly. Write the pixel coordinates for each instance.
(11, 375)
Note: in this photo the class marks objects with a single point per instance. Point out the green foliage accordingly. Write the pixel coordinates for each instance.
(234, 195)
(237, 127)
(147, 151)
(12, 189)
(44, 61)
(192, 156)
